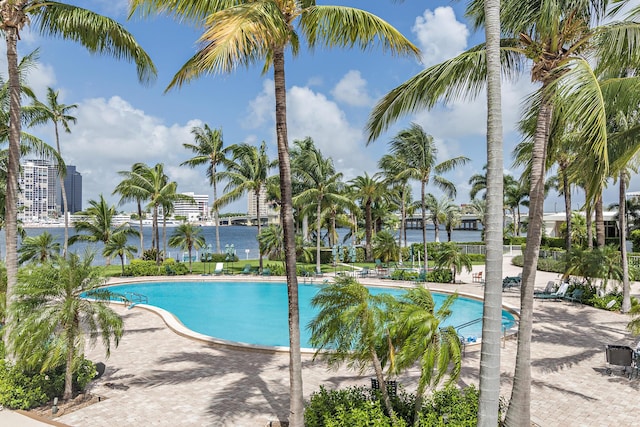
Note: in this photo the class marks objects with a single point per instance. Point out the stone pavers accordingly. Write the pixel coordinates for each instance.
(158, 378)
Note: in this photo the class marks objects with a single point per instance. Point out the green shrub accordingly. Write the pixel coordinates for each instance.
(553, 242)
(514, 240)
(440, 275)
(23, 389)
(276, 269)
(477, 257)
(634, 236)
(451, 407)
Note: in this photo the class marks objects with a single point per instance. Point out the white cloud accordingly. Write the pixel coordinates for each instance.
(440, 35)
(352, 90)
(111, 135)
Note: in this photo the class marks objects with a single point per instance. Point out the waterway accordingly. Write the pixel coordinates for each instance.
(242, 238)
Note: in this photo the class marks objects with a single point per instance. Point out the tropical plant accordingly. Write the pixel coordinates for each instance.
(385, 246)
(416, 153)
(349, 327)
(208, 151)
(97, 224)
(98, 34)
(322, 185)
(118, 244)
(244, 32)
(58, 114)
(449, 255)
(418, 336)
(40, 248)
(54, 314)
(368, 189)
(438, 211)
(452, 219)
(246, 172)
(187, 237)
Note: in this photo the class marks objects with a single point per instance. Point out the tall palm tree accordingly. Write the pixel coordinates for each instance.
(208, 151)
(187, 237)
(97, 224)
(453, 218)
(417, 333)
(53, 311)
(438, 209)
(129, 191)
(246, 172)
(40, 248)
(515, 195)
(58, 114)
(348, 328)
(368, 189)
(119, 245)
(241, 33)
(556, 36)
(323, 185)
(416, 153)
(95, 32)
(389, 166)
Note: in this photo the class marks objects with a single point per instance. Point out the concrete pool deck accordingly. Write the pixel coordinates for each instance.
(158, 378)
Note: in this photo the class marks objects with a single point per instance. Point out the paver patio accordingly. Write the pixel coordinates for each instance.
(159, 378)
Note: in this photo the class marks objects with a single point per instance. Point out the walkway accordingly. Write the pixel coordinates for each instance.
(158, 378)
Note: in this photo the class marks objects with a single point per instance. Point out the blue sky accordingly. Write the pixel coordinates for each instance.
(330, 95)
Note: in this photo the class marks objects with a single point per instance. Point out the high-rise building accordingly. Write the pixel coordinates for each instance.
(193, 212)
(267, 213)
(53, 187)
(33, 202)
(73, 190)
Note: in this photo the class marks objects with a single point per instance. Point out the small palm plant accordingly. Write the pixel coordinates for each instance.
(450, 256)
(119, 245)
(51, 311)
(187, 237)
(39, 248)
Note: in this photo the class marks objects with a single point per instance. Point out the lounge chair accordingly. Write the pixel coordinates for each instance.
(364, 272)
(319, 272)
(559, 294)
(219, 269)
(246, 269)
(549, 289)
(266, 272)
(575, 296)
(477, 277)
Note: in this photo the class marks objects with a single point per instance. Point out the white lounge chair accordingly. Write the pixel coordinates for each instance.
(219, 269)
(559, 294)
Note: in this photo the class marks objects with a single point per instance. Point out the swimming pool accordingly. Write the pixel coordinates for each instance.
(257, 312)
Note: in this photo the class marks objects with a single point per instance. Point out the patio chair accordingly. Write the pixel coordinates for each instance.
(219, 269)
(246, 269)
(549, 289)
(477, 277)
(575, 296)
(364, 272)
(266, 272)
(558, 295)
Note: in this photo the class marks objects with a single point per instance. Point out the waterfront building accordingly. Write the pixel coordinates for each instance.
(267, 211)
(33, 200)
(193, 212)
(73, 189)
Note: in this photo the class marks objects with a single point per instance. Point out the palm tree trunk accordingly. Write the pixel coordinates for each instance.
(122, 263)
(377, 367)
(259, 225)
(488, 404)
(68, 370)
(13, 171)
(622, 220)
(368, 229)
(600, 239)
(436, 234)
(403, 218)
(65, 206)
(589, 220)
(190, 267)
(296, 402)
(417, 404)
(318, 230)
(424, 225)
(141, 233)
(519, 412)
(156, 234)
(567, 208)
(216, 216)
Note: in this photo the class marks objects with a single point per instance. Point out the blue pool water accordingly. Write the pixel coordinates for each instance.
(257, 313)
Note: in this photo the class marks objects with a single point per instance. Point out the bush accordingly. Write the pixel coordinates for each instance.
(514, 240)
(440, 275)
(477, 257)
(22, 389)
(360, 406)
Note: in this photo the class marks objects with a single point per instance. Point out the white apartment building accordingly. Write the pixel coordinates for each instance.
(33, 199)
(267, 213)
(193, 212)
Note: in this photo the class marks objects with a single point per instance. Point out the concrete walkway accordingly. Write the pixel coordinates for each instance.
(159, 378)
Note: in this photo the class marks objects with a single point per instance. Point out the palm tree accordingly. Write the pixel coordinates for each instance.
(53, 311)
(368, 189)
(419, 337)
(40, 248)
(129, 191)
(348, 328)
(449, 255)
(323, 185)
(453, 219)
(246, 172)
(97, 224)
(98, 34)
(57, 113)
(416, 153)
(208, 151)
(244, 32)
(438, 209)
(390, 171)
(119, 245)
(515, 195)
(187, 237)
(556, 37)
(385, 246)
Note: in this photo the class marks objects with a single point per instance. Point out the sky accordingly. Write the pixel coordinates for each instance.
(330, 96)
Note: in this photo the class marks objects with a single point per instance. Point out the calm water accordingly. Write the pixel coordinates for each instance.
(256, 313)
(243, 238)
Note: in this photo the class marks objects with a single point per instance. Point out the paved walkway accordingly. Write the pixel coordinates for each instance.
(159, 378)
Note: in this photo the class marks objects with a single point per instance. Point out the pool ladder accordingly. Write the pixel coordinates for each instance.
(135, 298)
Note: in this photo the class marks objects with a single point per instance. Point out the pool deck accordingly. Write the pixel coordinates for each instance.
(159, 378)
